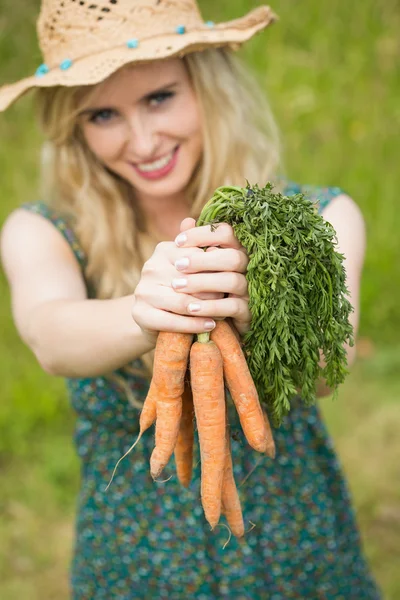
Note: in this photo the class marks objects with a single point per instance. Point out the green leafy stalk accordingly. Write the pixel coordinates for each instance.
(297, 290)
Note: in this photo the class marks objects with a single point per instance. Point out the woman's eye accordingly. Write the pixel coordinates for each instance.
(102, 116)
(159, 98)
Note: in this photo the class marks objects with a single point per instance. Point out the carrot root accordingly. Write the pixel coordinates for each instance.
(184, 445)
(170, 364)
(270, 449)
(147, 418)
(231, 506)
(207, 383)
(241, 386)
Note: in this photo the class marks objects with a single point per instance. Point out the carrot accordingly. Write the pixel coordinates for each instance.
(170, 364)
(147, 418)
(184, 444)
(270, 451)
(206, 372)
(243, 391)
(149, 411)
(230, 497)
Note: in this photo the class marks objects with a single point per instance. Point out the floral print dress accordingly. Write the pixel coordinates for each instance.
(145, 540)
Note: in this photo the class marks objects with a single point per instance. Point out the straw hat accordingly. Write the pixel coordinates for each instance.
(85, 41)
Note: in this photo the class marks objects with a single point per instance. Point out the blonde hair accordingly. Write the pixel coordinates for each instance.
(240, 142)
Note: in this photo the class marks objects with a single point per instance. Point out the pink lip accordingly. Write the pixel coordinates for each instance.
(160, 172)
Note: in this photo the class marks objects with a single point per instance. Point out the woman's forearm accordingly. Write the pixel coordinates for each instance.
(85, 338)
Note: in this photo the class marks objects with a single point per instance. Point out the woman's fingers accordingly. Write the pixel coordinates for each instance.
(215, 259)
(208, 295)
(189, 305)
(187, 223)
(208, 277)
(153, 320)
(237, 308)
(227, 282)
(193, 259)
(170, 322)
(221, 235)
(166, 299)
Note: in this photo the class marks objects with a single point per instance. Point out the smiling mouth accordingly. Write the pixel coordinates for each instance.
(157, 164)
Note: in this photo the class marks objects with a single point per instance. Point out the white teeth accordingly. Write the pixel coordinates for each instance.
(157, 164)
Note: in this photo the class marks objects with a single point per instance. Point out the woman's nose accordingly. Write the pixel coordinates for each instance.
(142, 141)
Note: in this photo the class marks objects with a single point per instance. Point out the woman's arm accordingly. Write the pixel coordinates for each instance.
(347, 220)
(70, 335)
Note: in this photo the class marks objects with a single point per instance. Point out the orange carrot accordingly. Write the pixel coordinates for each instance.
(147, 418)
(170, 364)
(230, 497)
(270, 451)
(149, 412)
(243, 391)
(206, 372)
(184, 444)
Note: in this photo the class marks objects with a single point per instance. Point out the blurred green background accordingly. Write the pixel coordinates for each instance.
(331, 71)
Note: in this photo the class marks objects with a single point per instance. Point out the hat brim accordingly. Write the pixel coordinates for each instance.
(95, 68)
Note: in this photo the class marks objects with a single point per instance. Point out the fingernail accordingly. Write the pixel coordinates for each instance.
(208, 325)
(194, 307)
(181, 239)
(181, 263)
(179, 283)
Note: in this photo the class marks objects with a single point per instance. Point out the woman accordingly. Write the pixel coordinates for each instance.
(135, 146)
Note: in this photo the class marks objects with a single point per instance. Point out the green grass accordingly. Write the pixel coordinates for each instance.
(330, 70)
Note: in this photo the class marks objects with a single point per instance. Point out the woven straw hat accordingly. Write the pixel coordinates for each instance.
(85, 41)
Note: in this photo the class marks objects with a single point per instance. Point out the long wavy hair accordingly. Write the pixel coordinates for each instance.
(240, 141)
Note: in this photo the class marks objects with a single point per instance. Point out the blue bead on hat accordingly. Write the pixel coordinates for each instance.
(42, 70)
(133, 43)
(66, 64)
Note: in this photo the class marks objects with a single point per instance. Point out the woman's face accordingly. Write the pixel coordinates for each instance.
(144, 125)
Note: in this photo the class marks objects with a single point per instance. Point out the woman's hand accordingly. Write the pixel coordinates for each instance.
(182, 288)
(222, 273)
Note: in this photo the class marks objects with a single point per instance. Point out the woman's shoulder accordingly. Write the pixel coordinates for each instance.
(35, 235)
(38, 207)
(61, 221)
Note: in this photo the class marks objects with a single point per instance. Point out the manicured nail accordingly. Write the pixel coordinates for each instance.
(194, 307)
(181, 264)
(181, 239)
(179, 283)
(209, 325)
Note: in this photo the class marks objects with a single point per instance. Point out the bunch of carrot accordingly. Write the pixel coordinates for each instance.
(174, 399)
(297, 299)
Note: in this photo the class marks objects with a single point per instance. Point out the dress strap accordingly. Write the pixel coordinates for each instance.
(320, 195)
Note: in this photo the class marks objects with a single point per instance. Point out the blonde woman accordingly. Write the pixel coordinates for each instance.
(111, 256)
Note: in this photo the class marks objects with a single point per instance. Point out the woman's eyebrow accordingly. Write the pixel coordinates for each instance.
(164, 88)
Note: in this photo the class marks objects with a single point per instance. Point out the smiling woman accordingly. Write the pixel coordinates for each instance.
(207, 95)
(145, 126)
(135, 146)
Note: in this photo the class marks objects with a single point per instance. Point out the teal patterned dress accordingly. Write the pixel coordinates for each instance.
(145, 540)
